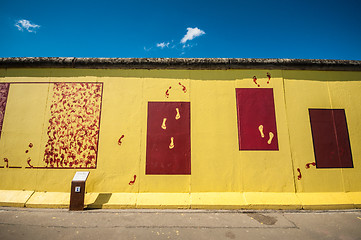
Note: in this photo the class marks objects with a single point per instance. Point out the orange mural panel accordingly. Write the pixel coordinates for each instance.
(73, 131)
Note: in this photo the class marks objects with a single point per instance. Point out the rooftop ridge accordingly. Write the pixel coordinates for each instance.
(181, 63)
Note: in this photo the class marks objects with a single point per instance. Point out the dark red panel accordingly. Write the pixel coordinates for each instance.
(330, 138)
(4, 91)
(257, 128)
(344, 148)
(163, 157)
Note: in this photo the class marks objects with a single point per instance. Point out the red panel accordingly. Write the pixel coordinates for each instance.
(330, 138)
(257, 128)
(168, 138)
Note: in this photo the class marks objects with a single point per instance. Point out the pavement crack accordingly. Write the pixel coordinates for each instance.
(293, 223)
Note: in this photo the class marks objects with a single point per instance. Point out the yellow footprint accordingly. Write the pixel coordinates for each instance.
(163, 124)
(260, 128)
(171, 145)
(271, 135)
(178, 115)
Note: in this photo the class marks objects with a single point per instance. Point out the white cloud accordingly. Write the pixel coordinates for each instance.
(163, 45)
(192, 33)
(147, 49)
(27, 25)
(187, 46)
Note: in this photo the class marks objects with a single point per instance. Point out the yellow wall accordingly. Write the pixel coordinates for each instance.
(217, 165)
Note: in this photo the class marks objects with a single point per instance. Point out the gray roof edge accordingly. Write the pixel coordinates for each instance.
(180, 63)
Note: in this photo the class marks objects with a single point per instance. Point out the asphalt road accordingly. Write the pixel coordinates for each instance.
(26, 223)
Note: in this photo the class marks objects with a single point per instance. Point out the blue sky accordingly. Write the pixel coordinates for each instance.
(310, 29)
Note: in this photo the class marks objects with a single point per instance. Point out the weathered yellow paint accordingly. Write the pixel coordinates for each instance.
(163, 200)
(307, 89)
(268, 161)
(22, 125)
(331, 200)
(221, 175)
(218, 200)
(2, 73)
(27, 75)
(120, 201)
(49, 200)
(347, 95)
(302, 95)
(13, 198)
(214, 142)
(272, 200)
(355, 198)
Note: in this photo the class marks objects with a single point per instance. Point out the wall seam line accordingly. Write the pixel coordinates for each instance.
(289, 137)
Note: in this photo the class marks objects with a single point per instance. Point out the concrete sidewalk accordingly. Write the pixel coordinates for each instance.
(24, 223)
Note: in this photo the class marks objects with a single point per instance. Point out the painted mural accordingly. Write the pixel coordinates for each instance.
(235, 143)
(73, 130)
(4, 91)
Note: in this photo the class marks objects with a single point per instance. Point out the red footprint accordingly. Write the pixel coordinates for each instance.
(308, 165)
(184, 88)
(255, 81)
(7, 162)
(269, 77)
(167, 92)
(30, 146)
(120, 140)
(299, 174)
(132, 182)
(29, 159)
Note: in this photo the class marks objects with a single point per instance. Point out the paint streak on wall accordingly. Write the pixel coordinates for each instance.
(74, 126)
(4, 91)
